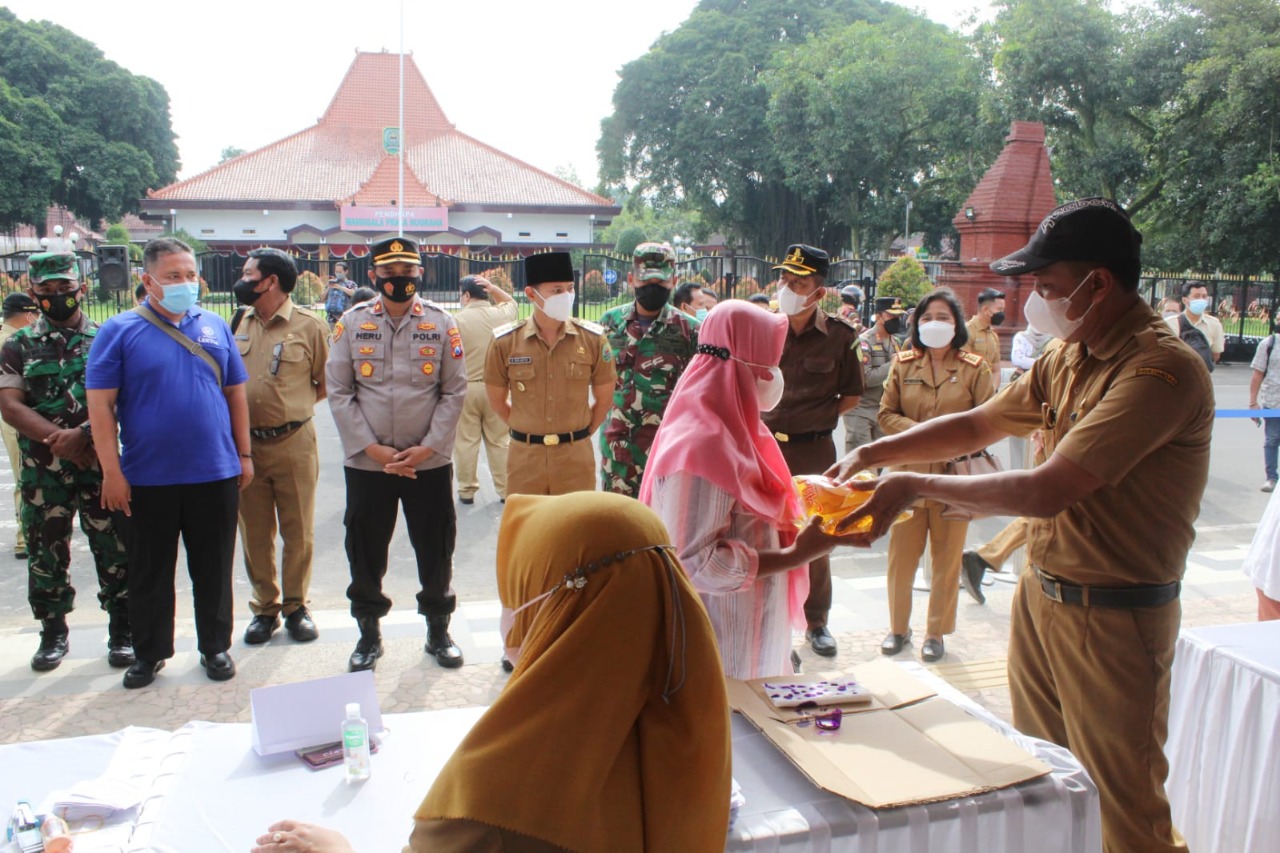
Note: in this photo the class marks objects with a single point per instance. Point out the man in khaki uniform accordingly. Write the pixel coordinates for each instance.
(19, 311)
(551, 379)
(822, 369)
(476, 323)
(284, 348)
(982, 337)
(1127, 413)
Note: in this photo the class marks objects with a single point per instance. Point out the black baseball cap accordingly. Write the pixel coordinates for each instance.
(1088, 229)
(18, 303)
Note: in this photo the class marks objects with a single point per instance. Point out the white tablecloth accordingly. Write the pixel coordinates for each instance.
(1224, 738)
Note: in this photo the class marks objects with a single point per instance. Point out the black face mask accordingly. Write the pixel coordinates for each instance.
(244, 291)
(400, 288)
(997, 318)
(893, 325)
(59, 308)
(652, 296)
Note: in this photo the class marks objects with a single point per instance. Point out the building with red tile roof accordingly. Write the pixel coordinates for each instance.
(333, 188)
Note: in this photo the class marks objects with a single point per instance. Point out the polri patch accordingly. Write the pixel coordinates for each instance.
(428, 368)
(369, 327)
(426, 352)
(366, 369)
(337, 330)
(426, 327)
(1157, 373)
(366, 350)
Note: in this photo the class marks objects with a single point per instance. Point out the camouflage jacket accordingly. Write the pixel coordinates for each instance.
(48, 364)
(649, 364)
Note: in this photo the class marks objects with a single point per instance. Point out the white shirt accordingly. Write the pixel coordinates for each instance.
(1262, 564)
(1208, 324)
(1267, 358)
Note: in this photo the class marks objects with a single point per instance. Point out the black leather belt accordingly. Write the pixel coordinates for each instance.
(1127, 597)
(276, 432)
(550, 440)
(798, 437)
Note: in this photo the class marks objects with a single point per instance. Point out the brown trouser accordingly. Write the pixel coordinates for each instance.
(535, 469)
(461, 835)
(813, 457)
(480, 421)
(1004, 543)
(906, 547)
(1096, 681)
(15, 462)
(285, 470)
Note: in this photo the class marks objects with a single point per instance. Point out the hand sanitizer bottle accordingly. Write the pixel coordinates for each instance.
(355, 745)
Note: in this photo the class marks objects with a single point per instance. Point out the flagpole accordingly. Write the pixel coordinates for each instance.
(400, 151)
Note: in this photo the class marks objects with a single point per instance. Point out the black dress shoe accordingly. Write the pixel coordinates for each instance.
(301, 627)
(821, 641)
(142, 673)
(933, 650)
(366, 655)
(466, 501)
(972, 568)
(440, 644)
(261, 629)
(507, 666)
(219, 667)
(120, 652)
(893, 643)
(53, 645)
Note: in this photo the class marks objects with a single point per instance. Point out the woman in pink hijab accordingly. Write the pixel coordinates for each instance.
(717, 480)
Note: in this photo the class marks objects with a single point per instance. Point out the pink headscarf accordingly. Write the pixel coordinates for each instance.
(712, 427)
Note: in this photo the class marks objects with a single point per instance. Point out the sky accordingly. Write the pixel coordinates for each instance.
(533, 79)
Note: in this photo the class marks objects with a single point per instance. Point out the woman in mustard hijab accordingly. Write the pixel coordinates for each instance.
(613, 731)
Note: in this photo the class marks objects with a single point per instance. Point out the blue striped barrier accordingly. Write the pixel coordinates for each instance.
(1247, 413)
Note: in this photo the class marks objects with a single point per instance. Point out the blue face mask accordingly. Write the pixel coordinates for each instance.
(178, 298)
(1198, 306)
(701, 314)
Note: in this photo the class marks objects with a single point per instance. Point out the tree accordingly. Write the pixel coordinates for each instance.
(905, 278)
(107, 131)
(230, 153)
(28, 136)
(872, 116)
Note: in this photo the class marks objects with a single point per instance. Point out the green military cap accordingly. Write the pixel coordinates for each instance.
(47, 266)
(654, 261)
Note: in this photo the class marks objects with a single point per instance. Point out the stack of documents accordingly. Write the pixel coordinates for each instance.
(97, 798)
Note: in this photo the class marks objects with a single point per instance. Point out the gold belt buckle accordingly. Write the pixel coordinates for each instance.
(781, 436)
(551, 440)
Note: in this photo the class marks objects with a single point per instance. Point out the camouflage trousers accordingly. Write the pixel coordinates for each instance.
(50, 497)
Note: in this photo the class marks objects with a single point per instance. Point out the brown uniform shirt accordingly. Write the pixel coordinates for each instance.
(1137, 412)
(985, 342)
(550, 386)
(476, 323)
(820, 365)
(913, 393)
(289, 393)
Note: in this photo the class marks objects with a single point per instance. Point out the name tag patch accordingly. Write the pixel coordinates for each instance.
(520, 359)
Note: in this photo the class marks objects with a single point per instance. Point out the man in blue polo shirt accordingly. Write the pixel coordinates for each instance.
(185, 434)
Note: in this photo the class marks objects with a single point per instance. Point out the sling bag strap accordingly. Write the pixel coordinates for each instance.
(183, 341)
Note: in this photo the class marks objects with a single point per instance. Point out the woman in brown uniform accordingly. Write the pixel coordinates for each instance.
(933, 377)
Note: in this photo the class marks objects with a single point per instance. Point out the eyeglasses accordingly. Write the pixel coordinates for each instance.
(275, 357)
(827, 720)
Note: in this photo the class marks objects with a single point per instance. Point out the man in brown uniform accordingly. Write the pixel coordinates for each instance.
(551, 379)
(476, 323)
(284, 348)
(982, 337)
(1127, 412)
(822, 368)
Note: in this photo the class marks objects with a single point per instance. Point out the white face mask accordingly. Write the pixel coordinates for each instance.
(558, 307)
(937, 333)
(1051, 315)
(769, 391)
(790, 302)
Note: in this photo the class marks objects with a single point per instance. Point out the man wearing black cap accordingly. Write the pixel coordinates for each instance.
(19, 312)
(551, 379)
(878, 345)
(1126, 412)
(822, 371)
(397, 381)
(982, 337)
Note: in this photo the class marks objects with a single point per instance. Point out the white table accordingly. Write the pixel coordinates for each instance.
(1224, 738)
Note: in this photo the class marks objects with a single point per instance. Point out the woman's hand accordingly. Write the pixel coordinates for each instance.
(291, 836)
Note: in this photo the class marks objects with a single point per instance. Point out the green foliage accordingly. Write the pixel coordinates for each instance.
(309, 289)
(593, 287)
(626, 241)
(905, 278)
(197, 245)
(229, 153)
(96, 137)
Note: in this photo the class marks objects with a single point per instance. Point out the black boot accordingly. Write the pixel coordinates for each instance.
(119, 640)
(368, 647)
(440, 644)
(53, 644)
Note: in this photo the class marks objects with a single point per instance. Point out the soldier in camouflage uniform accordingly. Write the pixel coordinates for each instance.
(654, 343)
(42, 396)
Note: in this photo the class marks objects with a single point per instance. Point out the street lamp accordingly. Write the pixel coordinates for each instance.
(73, 238)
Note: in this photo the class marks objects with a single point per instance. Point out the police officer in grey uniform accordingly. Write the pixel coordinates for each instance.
(877, 346)
(397, 381)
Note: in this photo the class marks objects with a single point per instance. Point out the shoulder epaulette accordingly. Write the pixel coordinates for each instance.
(844, 321)
(908, 354)
(970, 358)
(589, 326)
(506, 329)
(307, 312)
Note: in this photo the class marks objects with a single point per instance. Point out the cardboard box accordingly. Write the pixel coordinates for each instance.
(310, 713)
(907, 746)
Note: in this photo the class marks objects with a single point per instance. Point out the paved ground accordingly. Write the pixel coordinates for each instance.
(84, 695)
